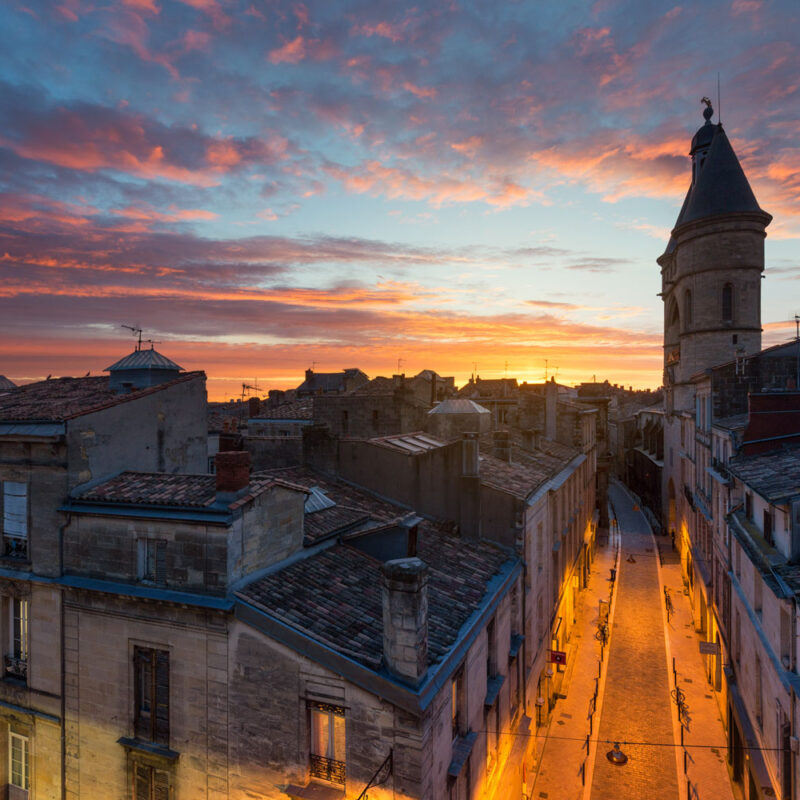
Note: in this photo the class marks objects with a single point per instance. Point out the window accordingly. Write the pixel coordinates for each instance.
(15, 519)
(727, 302)
(327, 751)
(759, 695)
(768, 526)
(151, 695)
(16, 659)
(457, 703)
(18, 761)
(150, 783)
(491, 649)
(152, 557)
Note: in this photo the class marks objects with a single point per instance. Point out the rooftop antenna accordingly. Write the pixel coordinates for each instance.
(314, 364)
(719, 103)
(151, 342)
(135, 330)
(474, 370)
(399, 364)
(545, 370)
(506, 373)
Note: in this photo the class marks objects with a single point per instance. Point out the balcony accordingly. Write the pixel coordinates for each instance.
(16, 668)
(15, 547)
(327, 769)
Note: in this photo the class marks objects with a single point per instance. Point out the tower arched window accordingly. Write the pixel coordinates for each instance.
(687, 307)
(727, 302)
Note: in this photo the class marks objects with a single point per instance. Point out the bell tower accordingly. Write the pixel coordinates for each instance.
(711, 270)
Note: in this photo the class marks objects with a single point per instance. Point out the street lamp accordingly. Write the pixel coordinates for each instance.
(616, 756)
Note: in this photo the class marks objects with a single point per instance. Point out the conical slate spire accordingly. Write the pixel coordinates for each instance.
(721, 186)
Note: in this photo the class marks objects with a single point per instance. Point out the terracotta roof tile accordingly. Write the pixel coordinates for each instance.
(335, 595)
(66, 398)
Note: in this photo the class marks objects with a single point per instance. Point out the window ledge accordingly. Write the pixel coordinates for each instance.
(151, 748)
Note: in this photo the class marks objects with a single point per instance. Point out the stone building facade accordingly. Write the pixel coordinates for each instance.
(731, 467)
(55, 436)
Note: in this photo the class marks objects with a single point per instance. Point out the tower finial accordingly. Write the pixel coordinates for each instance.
(708, 111)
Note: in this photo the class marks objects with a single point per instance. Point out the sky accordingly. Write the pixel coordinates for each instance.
(266, 187)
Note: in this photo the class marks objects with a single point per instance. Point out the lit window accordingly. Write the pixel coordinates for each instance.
(16, 659)
(15, 519)
(18, 761)
(327, 751)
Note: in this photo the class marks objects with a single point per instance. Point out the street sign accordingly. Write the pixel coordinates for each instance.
(557, 657)
(709, 648)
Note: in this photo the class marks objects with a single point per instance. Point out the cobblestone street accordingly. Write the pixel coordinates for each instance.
(634, 703)
(637, 707)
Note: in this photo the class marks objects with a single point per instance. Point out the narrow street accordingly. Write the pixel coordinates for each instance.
(637, 709)
(634, 705)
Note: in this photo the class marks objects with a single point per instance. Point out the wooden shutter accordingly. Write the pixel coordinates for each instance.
(161, 697)
(160, 785)
(161, 562)
(141, 782)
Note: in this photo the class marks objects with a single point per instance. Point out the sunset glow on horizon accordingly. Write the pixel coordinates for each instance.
(264, 187)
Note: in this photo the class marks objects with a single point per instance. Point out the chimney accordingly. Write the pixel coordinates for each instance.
(309, 374)
(502, 446)
(469, 496)
(550, 402)
(254, 406)
(233, 471)
(433, 388)
(405, 619)
(398, 380)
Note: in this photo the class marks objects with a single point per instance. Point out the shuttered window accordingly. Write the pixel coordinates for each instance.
(151, 695)
(18, 761)
(150, 783)
(15, 509)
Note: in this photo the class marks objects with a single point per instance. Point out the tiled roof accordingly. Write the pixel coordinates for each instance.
(300, 409)
(155, 488)
(775, 476)
(335, 595)
(184, 491)
(353, 506)
(66, 398)
(6, 385)
(528, 469)
(459, 405)
(377, 386)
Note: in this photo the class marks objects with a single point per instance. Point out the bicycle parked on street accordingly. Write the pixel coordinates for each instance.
(668, 604)
(679, 698)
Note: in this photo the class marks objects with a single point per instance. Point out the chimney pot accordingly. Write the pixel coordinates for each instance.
(233, 470)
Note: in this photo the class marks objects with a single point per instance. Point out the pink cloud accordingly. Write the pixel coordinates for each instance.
(419, 91)
(289, 53)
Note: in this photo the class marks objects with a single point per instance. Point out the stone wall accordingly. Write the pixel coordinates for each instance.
(105, 547)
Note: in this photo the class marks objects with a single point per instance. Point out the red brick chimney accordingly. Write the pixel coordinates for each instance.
(233, 470)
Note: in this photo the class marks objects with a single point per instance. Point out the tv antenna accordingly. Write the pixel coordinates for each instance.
(400, 362)
(136, 331)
